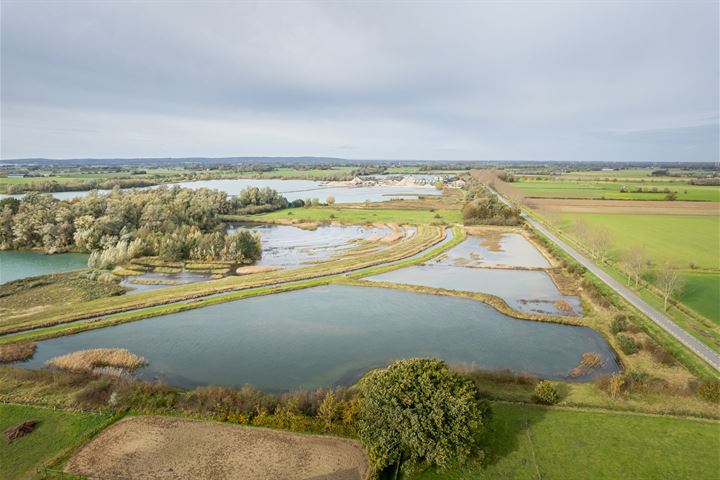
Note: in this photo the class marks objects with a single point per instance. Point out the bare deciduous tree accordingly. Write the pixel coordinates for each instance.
(670, 281)
(635, 262)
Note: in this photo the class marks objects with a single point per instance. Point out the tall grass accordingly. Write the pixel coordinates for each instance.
(89, 360)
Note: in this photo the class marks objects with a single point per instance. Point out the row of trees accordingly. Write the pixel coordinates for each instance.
(175, 223)
(635, 262)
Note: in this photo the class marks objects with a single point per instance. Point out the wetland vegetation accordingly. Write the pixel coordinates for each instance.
(501, 306)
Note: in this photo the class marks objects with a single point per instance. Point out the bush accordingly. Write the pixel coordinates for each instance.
(546, 393)
(659, 354)
(619, 324)
(627, 345)
(709, 390)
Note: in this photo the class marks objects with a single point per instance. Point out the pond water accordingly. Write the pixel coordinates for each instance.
(523, 290)
(501, 250)
(170, 279)
(292, 190)
(331, 335)
(15, 265)
(287, 246)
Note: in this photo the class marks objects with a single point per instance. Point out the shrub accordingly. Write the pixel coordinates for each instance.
(627, 345)
(709, 390)
(546, 393)
(619, 324)
(659, 354)
(616, 384)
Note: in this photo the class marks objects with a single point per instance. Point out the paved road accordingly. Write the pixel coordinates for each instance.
(702, 350)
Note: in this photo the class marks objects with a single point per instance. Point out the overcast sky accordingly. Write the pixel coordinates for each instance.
(615, 80)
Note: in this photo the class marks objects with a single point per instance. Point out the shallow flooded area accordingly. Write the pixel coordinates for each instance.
(331, 335)
(523, 290)
(15, 265)
(506, 265)
(495, 250)
(287, 246)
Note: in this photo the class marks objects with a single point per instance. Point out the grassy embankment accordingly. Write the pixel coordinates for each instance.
(159, 302)
(55, 436)
(530, 442)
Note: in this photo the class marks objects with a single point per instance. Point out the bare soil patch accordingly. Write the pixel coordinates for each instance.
(173, 448)
(637, 207)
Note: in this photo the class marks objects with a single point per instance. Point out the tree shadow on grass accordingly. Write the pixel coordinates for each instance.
(507, 447)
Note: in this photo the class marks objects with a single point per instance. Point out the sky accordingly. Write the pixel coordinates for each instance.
(530, 80)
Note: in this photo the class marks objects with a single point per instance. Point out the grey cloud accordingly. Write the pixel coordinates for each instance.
(483, 80)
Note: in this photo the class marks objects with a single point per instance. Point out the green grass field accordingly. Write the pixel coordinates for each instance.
(529, 442)
(57, 433)
(359, 215)
(633, 173)
(702, 294)
(677, 238)
(612, 190)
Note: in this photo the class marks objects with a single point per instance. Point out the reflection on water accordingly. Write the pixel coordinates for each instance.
(15, 265)
(330, 335)
(461, 269)
(523, 290)
(500, 250)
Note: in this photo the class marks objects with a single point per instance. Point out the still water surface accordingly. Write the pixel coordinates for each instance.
(331, 335)
(15, 265)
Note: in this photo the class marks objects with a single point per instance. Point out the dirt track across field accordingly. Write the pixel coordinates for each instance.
(636, 207)
(175, 448)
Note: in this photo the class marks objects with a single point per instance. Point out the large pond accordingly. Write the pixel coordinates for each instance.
(15, 265)
(293, 190)
(331, 335)
(287, 246)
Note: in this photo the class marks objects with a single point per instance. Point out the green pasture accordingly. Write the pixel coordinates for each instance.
(528, 442)
(613, 190)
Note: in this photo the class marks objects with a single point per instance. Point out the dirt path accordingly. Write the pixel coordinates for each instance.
(175, 448)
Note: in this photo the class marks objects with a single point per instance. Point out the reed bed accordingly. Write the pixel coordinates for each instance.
(89, 360)
(589, 362)
(15, 352)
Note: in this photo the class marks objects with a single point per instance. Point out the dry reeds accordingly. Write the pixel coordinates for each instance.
(89, 360)
(589, 362)
(15, 352)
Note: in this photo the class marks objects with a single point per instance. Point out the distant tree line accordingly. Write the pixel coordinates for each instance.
(171, 222)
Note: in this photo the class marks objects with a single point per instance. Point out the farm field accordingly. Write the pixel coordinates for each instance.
(57, 433)
(534, 442)
(702, 294)
(677, 238)
(614, 190)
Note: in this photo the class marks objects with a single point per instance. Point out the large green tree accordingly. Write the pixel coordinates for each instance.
(417, 411)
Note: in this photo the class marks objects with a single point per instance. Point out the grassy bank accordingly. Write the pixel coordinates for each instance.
(530, 442)
(57, 433)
